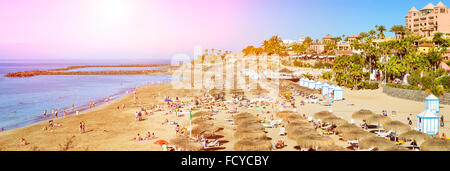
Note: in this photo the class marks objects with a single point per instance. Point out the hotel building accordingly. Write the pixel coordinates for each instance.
(428, 20)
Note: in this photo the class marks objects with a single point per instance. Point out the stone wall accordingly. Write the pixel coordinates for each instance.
(415, 95)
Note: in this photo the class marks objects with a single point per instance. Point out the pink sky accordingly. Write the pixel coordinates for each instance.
(83, 29)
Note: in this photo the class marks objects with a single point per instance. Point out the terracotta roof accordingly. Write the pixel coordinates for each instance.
(426, 45)
(413, 9)
(328, 37)
(429, 6)
(440, 4)
(345, 52)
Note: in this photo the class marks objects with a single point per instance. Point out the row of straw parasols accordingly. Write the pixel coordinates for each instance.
(303, 132)
(202, 126)
(251, 134)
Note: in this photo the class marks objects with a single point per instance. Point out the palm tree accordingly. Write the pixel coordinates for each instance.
(399, 31)
(438, 38)
(380, 30)
(372, 33)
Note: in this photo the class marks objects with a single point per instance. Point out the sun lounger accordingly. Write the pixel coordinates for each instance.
(212, 144)
(370, 149)
(271, 124)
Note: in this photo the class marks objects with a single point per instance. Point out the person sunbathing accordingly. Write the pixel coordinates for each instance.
(23, 141)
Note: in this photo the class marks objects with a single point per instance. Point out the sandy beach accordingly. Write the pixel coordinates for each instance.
(110, 129)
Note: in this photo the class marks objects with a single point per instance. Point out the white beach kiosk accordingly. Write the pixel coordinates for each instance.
(318, 85)
(305, 82)
(338, 92)
(302, 80)
(432, 103)
(325, 88)
(331, 90)
(312, 84)
(428, 122)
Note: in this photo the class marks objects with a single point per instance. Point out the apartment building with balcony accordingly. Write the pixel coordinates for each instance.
(429, 20)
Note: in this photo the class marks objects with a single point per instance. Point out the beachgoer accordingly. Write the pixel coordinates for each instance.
(45, 114)
(56, 113)
(53, 113)
(81, 127)
(73, 107)
(442, 120)
(65, 112)
(23, 141)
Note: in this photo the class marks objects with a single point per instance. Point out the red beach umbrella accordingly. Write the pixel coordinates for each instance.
(161, 142)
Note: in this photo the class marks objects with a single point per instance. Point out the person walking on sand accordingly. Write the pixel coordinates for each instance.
(45, 114)
(81, 127)
(73, 107)
(56, 113)
(90, 105)
(108, 99)
(53, 113)
(93, 104)
(442, 120)
(65, 113)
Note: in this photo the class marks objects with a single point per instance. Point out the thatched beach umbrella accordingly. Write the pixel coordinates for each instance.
(335, 121)
(200, 114)
(355, 135)
(418, 136)
(250, 126)
(346, 127)
(332, 148)
(374, 141)
(237, 91)
(322, 114)
(293, 126)
(253, 145)
(362, 114)
(186, 144)
(243, 115)
(284, 114)
(396, 126)
(435, 144)
(293, 117)
(294, 133)
(201, 121)
(314, 141)
(240, 121)
(377, 119)
(250, 134)
(259, 91)
(204, 129)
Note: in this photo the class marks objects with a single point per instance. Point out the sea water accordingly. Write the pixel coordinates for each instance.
(23, 100)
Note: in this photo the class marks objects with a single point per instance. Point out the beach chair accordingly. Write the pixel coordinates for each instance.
(271, 124)
(213, 144)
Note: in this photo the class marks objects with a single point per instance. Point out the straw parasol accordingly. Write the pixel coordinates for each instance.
(240, 121)
(332, 148)
(419, 137)
(284, 114)
(294, 133)
(335, 121)
(323, 114)
(346, 127)
(311, 141)
(435, 144)
(250, 126)
(293, 126)
(250, 134)
(362, 114)
(259, 90)
(377, 119)
(293, 117)
(200, 114)
(186, 144)
(253, 145)
(396, 126)
(237, 91)
(243, 115)
(355, 135)
(205, 130)
(376, 142)
(201, 121)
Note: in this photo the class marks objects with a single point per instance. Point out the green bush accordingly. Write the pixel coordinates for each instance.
(348, 85)
(371, 86)
(414, 79)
